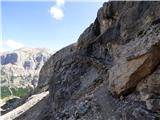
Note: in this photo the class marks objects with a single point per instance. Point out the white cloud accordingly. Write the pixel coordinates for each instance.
(56, 13)
(12, 44)
(59, 2)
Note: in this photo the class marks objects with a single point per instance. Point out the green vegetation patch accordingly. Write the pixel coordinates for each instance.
(5, 92)
(20, 92)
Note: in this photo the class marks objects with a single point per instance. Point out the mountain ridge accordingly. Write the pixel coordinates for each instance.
(20, 68)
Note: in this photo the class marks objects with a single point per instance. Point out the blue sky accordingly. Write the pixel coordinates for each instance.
(50, 25)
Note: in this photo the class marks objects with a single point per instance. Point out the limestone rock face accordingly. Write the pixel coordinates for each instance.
(112, 73)
(149, 90)
(20, 69)
(134, 61)
(113, 56)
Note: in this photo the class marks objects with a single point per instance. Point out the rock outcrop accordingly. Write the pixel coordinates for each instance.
(112, 73)
(48, 68)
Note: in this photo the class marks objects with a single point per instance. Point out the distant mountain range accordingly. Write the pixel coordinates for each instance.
(20, 70)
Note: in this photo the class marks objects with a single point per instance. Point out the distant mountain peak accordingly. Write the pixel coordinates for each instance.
(20, 68)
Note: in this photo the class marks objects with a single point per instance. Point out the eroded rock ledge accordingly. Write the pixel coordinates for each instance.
(135, 61)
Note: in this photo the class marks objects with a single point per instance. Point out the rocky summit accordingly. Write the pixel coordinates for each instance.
(111, 73)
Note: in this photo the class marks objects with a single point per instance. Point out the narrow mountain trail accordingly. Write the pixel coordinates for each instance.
(34, 99)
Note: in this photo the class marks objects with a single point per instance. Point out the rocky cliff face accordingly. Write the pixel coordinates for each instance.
(20, 70)
(111, 73)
